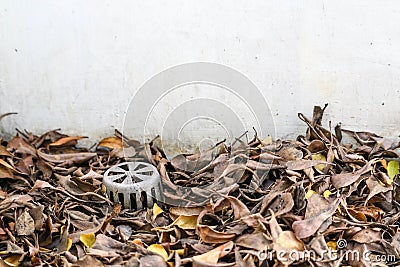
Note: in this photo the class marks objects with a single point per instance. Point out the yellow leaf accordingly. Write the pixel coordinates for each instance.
(310, 193)
(327, 193)
(381, 183)
(13, 260)
(392, 169)
(183, 221)
(88, 239)
(156, 248)
(180, 251)
(319, 167)
(332, 245)
(156, 211)
(69, 243)
(186, 222)
(103, 188)
(267, 141)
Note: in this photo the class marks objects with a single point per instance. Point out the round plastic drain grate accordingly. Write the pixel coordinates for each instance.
(134, 184)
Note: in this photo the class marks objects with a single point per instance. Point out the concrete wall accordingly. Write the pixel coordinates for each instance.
(77, 64)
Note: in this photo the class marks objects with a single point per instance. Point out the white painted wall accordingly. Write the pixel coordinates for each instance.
(76, 64)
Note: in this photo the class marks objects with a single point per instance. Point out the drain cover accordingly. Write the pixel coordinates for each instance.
(134, 184)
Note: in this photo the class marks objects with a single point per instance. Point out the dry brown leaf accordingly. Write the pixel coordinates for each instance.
(67, 141)
(362, 213)
(303, 164)
(25, 225)
(209, 235)
(367, 235)
(88, 260)
(5, 172)
(344, 179)
(111, 142)
(186, 211)
(70, 158)
(152, 261)
(258, 195)
(290, 153)
(308, 227)
(4, 152)
(214, 255)
(239, 208)
(8, 166)
(375, 188)
(256, 241)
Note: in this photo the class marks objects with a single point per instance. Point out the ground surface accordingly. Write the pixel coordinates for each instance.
(313, 201)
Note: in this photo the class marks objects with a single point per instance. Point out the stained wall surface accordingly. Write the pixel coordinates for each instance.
(77, 64)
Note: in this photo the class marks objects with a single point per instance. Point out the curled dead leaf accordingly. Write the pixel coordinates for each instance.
(67, 141)
(111, 142)
(209, 235)
(307, 227)
(215, 254)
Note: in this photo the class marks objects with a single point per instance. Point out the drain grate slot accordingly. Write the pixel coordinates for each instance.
(133, 201)
(135, 185)
(143, 198)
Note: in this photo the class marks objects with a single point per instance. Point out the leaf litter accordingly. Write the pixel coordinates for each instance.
(275, 198)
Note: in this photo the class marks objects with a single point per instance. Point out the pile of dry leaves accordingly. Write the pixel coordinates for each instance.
(303, 202)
